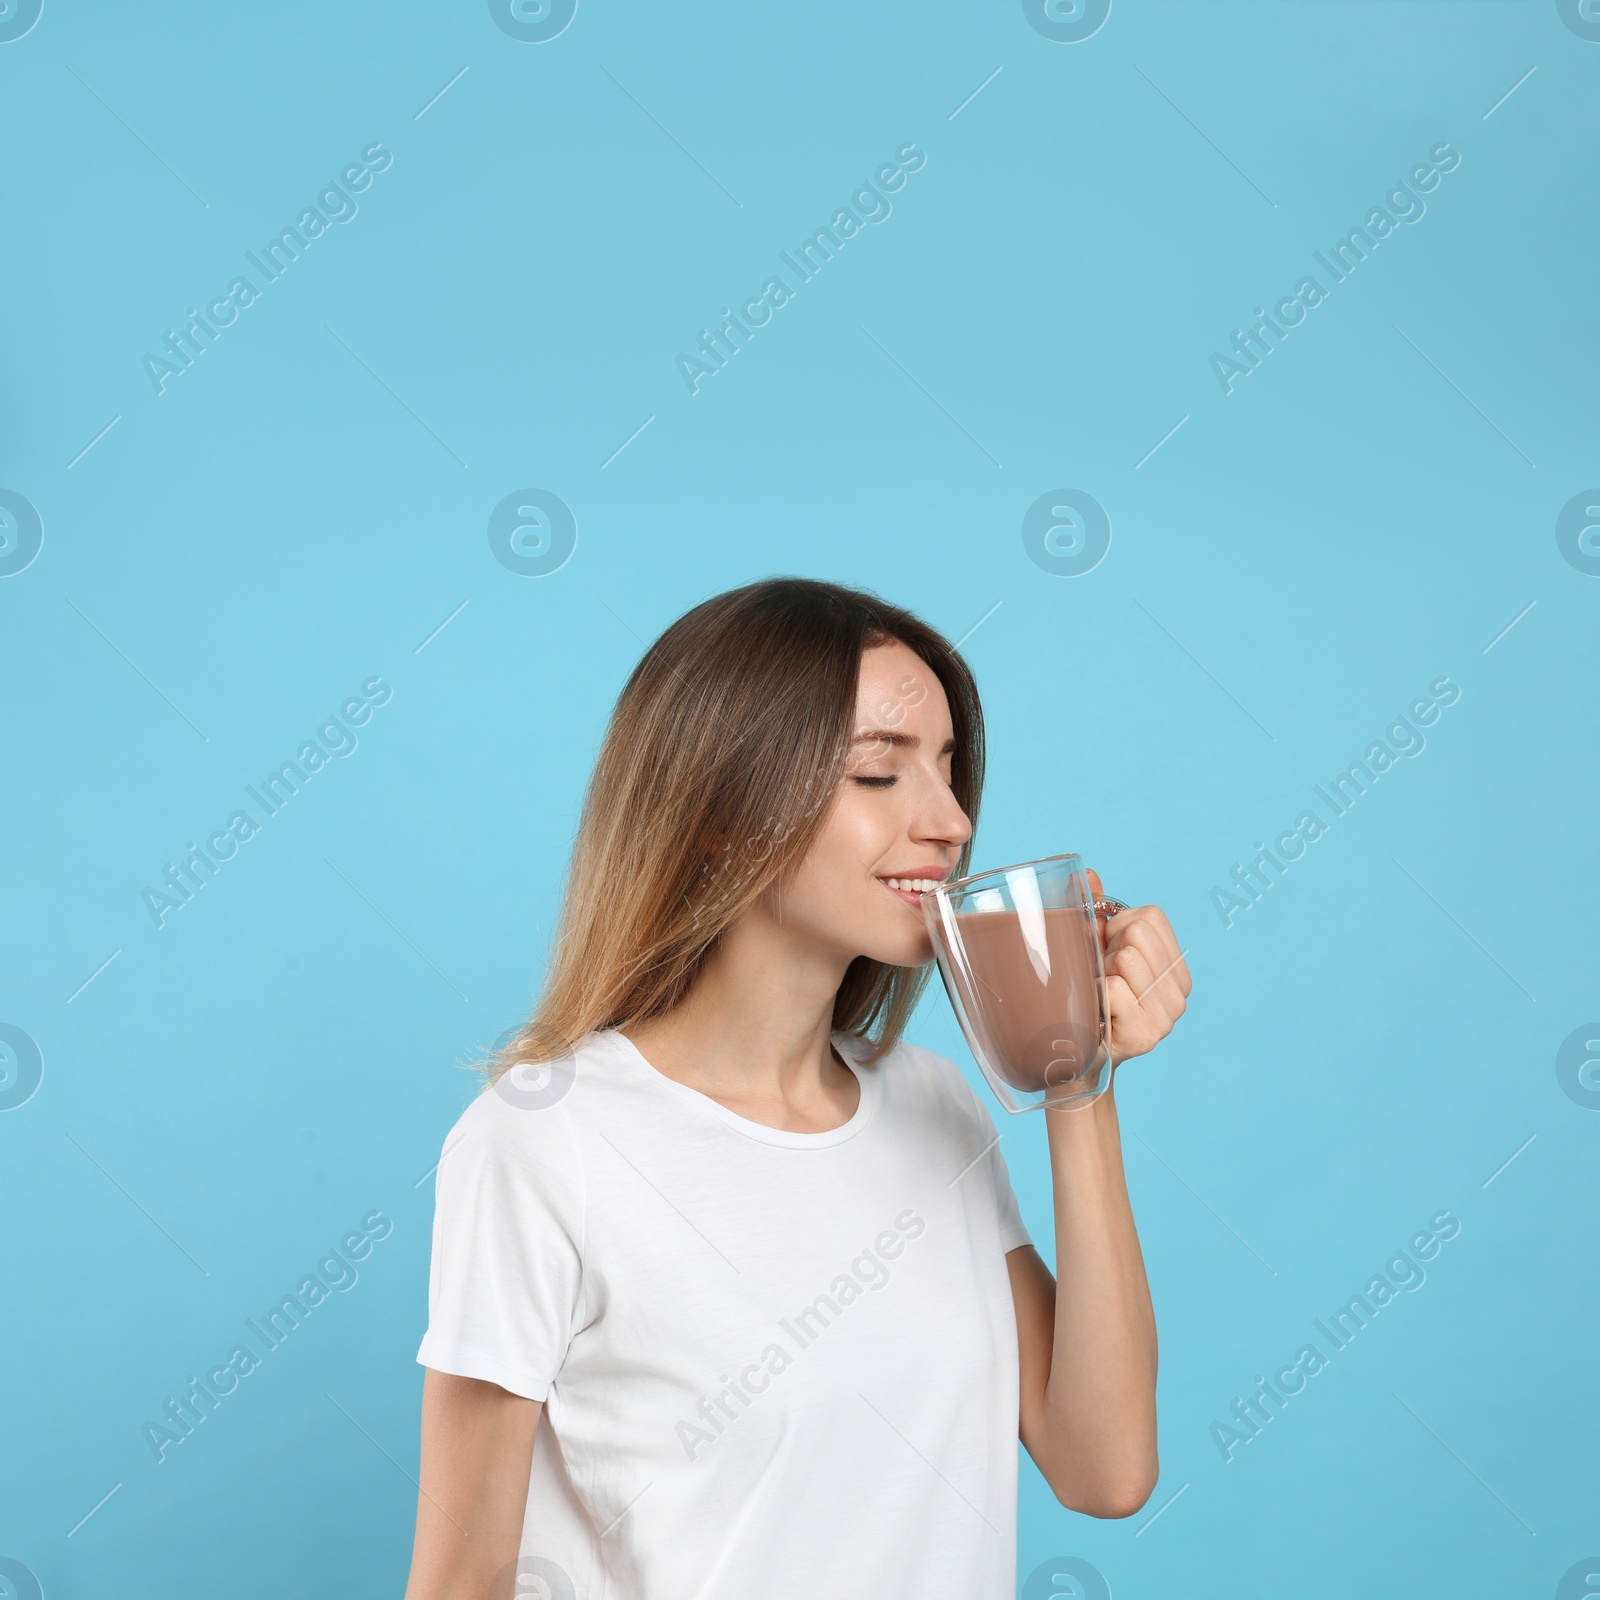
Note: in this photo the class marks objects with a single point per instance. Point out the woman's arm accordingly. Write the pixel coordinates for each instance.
(1087, 1348)
(477, 1451)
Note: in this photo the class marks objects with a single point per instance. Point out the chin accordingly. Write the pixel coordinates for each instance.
(913, 950)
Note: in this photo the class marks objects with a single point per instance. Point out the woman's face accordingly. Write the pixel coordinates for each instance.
(892, 821)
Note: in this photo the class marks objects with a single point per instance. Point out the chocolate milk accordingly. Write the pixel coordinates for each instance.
(1025, 986)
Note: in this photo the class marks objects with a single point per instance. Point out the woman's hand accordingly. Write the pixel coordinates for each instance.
(1147, 980)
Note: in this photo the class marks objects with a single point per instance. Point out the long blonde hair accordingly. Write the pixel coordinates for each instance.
(719, 762)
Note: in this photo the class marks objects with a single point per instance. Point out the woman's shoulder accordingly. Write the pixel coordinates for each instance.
(918, 1058)
(528, 1106)
(517, 1150)
(931, 1076)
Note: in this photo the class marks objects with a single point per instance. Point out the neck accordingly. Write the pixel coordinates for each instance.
(754, 1031)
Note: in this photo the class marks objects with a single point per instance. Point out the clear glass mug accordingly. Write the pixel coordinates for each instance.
(1019, 951)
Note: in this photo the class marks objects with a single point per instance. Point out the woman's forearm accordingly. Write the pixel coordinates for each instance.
(1099, 1405)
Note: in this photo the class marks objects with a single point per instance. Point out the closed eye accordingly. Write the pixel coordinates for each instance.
(876, 783)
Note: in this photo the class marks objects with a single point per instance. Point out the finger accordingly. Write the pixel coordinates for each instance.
(1123, 1004)
(1130, 963)
(1169, 940)
(1132, 1032)
(1153, 985)
(1149, 929)
(1180, 976)
(1173, 970)
(1134, 931)
(1154, 919)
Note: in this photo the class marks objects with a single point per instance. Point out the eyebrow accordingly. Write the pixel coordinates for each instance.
(908, 741)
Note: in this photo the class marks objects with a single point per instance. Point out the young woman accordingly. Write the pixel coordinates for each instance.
(730, 1296)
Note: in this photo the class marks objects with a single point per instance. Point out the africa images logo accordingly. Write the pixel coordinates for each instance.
(335, 1273)
(1402, 738)
(1402, 204)
(335, 202)
(1403, 1271)
(869, 203)
(336, 737)
(869, 1270)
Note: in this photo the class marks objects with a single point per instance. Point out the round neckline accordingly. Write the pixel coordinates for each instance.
(867, 1079)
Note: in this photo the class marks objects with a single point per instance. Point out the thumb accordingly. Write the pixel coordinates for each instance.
(1126, 1018)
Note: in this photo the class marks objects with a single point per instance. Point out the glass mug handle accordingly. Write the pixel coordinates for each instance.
(1109, 906)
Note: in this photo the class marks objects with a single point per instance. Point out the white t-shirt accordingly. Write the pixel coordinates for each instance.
(772, 1364)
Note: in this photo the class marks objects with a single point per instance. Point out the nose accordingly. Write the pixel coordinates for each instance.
(939, 820)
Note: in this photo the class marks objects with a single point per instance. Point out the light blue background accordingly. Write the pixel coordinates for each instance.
(303, 508)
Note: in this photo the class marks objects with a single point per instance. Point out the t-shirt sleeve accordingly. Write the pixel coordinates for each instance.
(1013, 1232)
(505, 1285)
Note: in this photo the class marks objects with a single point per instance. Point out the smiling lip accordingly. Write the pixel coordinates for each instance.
(913, 897)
